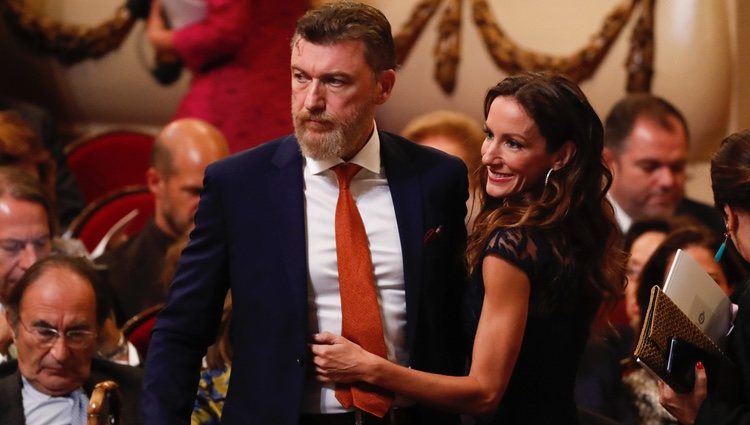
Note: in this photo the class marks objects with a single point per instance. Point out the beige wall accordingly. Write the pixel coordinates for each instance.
(697, 67)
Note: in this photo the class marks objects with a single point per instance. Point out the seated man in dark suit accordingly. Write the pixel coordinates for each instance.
(55, 312)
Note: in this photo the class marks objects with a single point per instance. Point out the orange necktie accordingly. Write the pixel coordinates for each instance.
(361, 322)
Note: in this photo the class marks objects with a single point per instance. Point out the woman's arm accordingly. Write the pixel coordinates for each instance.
(496, 346)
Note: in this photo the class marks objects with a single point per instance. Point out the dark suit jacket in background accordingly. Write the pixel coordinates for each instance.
(250, 236)
(129, 380)
(134, 271)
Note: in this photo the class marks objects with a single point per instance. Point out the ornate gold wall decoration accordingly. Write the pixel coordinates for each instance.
(447, 49)
(511, 57)
(69, 43)
(412, 29)
(641, 56)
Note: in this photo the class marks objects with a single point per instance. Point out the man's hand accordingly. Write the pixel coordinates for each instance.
(685, 407)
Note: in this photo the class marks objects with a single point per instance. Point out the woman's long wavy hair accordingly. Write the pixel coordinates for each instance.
(571, 209)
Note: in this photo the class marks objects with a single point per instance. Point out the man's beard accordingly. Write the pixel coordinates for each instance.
(177, 227)
(337, 142)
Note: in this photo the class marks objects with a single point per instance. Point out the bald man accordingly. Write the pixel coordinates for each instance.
(182, 151)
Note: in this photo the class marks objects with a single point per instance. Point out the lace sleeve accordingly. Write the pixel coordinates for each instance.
(516, 246)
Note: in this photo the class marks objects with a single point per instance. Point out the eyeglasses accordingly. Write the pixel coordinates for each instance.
(46, 336)
(14, 247)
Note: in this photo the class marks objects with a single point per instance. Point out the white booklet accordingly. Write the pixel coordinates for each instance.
(184, 12)
(699, 297)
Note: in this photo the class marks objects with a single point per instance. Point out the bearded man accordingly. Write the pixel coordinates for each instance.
(265, 228)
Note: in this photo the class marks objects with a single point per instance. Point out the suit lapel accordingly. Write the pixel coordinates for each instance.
(11, 400)
(288, 208)
(406, 192)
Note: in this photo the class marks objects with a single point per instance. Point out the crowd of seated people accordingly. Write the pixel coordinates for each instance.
(645, 148)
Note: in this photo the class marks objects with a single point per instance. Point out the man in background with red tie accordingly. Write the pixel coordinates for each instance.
(340, 227)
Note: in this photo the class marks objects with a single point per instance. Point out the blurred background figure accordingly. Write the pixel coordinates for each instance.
(27, 229)
(181, 153)
(36, 123)
(730, 181)
(457, 134)
(214, 378)
(699, 243)
(21, 146)
(646, 147)
(599, 385)
(239, 59)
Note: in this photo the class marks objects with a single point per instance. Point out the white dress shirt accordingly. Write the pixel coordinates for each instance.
(373, 197)
(622, 218)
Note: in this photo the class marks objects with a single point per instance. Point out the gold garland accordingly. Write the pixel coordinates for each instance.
(72, 43)
(448, 45)
(69, 43)
(512, 58)
(639, 64)
(413, 27)
(577, 66)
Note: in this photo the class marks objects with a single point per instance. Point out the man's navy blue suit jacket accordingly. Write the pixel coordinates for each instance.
(250, 237)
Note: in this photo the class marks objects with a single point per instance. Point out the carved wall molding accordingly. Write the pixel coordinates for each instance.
(511, 57)
(68, 43)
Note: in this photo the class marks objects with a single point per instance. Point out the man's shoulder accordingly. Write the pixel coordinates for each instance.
(257, 156)
(128, 250)
(11, 404)
(8, 369)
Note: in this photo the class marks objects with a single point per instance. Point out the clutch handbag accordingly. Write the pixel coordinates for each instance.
(662, 321)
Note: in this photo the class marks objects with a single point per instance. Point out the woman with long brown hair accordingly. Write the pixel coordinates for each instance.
(543, 255)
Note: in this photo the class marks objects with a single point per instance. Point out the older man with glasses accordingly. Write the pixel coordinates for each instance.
(55, 312)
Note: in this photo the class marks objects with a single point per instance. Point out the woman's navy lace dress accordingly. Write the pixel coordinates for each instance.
(540, 390)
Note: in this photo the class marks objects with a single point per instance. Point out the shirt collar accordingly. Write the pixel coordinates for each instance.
(623, 219)
(31, 393)
(368, 157)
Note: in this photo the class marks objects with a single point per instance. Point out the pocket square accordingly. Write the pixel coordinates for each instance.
(432, 234)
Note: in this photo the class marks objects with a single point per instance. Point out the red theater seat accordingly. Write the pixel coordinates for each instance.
(108, 161)
(101, 217)
(137, 329)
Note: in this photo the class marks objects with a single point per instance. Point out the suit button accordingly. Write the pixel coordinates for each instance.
(300, 361)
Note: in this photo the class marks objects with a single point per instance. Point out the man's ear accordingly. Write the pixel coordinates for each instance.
(386, 81)
(609, 156)
(9, 321)
(563, 155)
(153, 180)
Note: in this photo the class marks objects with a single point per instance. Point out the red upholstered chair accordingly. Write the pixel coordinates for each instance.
(108, 161)
(106, 217)
(137, 329)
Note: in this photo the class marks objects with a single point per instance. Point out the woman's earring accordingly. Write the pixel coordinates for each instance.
(722, 248)
(546, 178)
